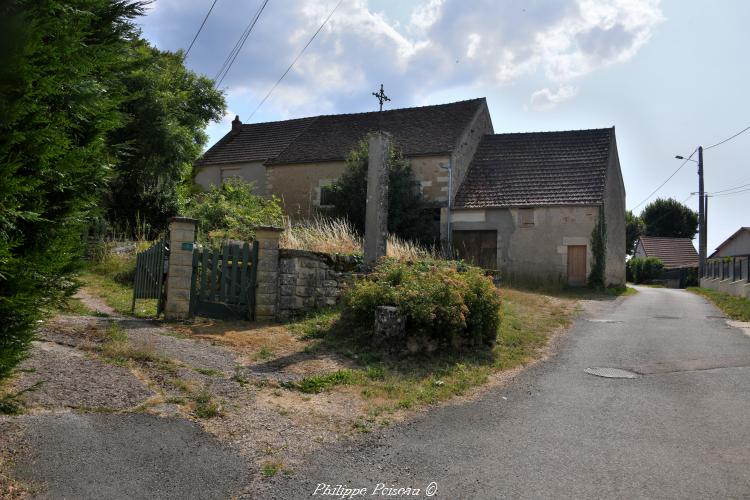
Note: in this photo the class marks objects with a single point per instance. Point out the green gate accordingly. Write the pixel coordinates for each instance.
(150, 269)
(223, 284)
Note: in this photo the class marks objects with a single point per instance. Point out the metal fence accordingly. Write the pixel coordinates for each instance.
(728, 268)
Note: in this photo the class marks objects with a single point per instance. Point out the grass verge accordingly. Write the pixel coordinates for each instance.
(116, 295)
(737, 308)
(529, 319)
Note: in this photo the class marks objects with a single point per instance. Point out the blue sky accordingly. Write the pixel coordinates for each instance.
(668, 75)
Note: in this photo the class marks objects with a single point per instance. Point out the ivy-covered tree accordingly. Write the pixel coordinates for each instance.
(409, 214)
(61, 65)
(166, 112)
(669, 218)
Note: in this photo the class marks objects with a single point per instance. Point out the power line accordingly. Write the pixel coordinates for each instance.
(199, 29)
(730, 189)
(295, 60)
(663, 183)
(728, 138)
(729, 194)
(229, 61)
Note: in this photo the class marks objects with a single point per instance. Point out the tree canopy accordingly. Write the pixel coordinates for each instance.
(633, 230)
(409, 214)
(670, 218)
(166, 111)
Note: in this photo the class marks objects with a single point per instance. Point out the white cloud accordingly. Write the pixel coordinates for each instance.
(547, 99)
(443, 44)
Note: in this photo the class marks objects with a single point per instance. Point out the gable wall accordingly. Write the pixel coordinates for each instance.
(537, 253)
(740, 245)
(614, 214)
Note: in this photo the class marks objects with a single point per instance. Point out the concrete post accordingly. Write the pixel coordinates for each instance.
(376, 212)
(180, 271)
(267, 293)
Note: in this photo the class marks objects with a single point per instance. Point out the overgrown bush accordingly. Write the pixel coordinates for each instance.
(445, 301)
(643, 269)
(231, 210)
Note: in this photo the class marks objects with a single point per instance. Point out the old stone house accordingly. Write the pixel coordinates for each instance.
(297, 159)
(530, 201)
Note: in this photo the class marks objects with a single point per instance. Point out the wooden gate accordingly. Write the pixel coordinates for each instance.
(150, 269)
(223, 284)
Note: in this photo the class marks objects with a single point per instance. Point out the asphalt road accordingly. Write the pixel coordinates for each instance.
(103, 456)
(679, 430)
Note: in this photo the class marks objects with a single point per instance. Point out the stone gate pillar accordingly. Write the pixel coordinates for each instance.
(180, 271)
(267, 292)
(376, 212)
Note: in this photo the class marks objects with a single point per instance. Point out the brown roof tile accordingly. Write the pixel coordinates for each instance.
(673, 252)
(255, 142)
(537, 169)
(416, 131)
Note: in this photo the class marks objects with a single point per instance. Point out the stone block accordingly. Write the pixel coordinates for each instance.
(288, 266)
(389, 323)
(303, 291)
(330, 283)
(267, 276)
(267, 265)
(180, 258)
(304, 281)
(287, 279)
(286, 290)
(266, 288)
(286, 302)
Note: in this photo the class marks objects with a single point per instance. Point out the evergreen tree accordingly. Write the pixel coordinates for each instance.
(410, 216)
(61, 65)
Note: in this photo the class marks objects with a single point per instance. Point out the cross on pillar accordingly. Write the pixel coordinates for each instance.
(381, 96)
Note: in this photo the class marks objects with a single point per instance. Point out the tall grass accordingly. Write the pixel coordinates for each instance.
(331, 236)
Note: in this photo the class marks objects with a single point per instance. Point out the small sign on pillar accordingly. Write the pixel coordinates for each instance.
(376, 212)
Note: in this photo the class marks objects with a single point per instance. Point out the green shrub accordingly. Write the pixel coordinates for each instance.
(445, 301)
(643, 269)
(231, 210)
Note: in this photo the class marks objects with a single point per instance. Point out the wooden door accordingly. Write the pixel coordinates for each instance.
(476, 247)
(577, 265)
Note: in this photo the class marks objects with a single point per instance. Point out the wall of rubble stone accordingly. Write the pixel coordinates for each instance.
(309, 280)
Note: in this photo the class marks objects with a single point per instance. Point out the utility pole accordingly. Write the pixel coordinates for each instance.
(702, 239)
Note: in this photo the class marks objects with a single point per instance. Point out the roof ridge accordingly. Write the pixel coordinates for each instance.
(373, 112)
(541, 132)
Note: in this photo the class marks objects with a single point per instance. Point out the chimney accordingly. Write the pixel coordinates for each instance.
(236, 124)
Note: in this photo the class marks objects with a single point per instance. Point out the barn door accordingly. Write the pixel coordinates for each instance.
(476, 247)
(577, 265)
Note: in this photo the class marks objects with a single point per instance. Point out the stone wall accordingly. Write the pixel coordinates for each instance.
(309, 280)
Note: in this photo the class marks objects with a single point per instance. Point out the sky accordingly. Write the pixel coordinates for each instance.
(668, 75)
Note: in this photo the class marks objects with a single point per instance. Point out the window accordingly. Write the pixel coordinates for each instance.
(326, 193)
(526, 216)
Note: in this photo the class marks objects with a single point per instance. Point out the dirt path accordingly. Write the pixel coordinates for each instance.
(170, 411)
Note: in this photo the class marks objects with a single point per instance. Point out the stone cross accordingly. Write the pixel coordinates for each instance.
(376, 212)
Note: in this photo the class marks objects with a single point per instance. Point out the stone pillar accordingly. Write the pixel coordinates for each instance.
(267, 293)
(376, 212)
(180, 272)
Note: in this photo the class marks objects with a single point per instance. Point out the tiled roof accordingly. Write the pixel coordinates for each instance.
(537, 169)
(255, 142)
(673, 252)
(416, 131)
